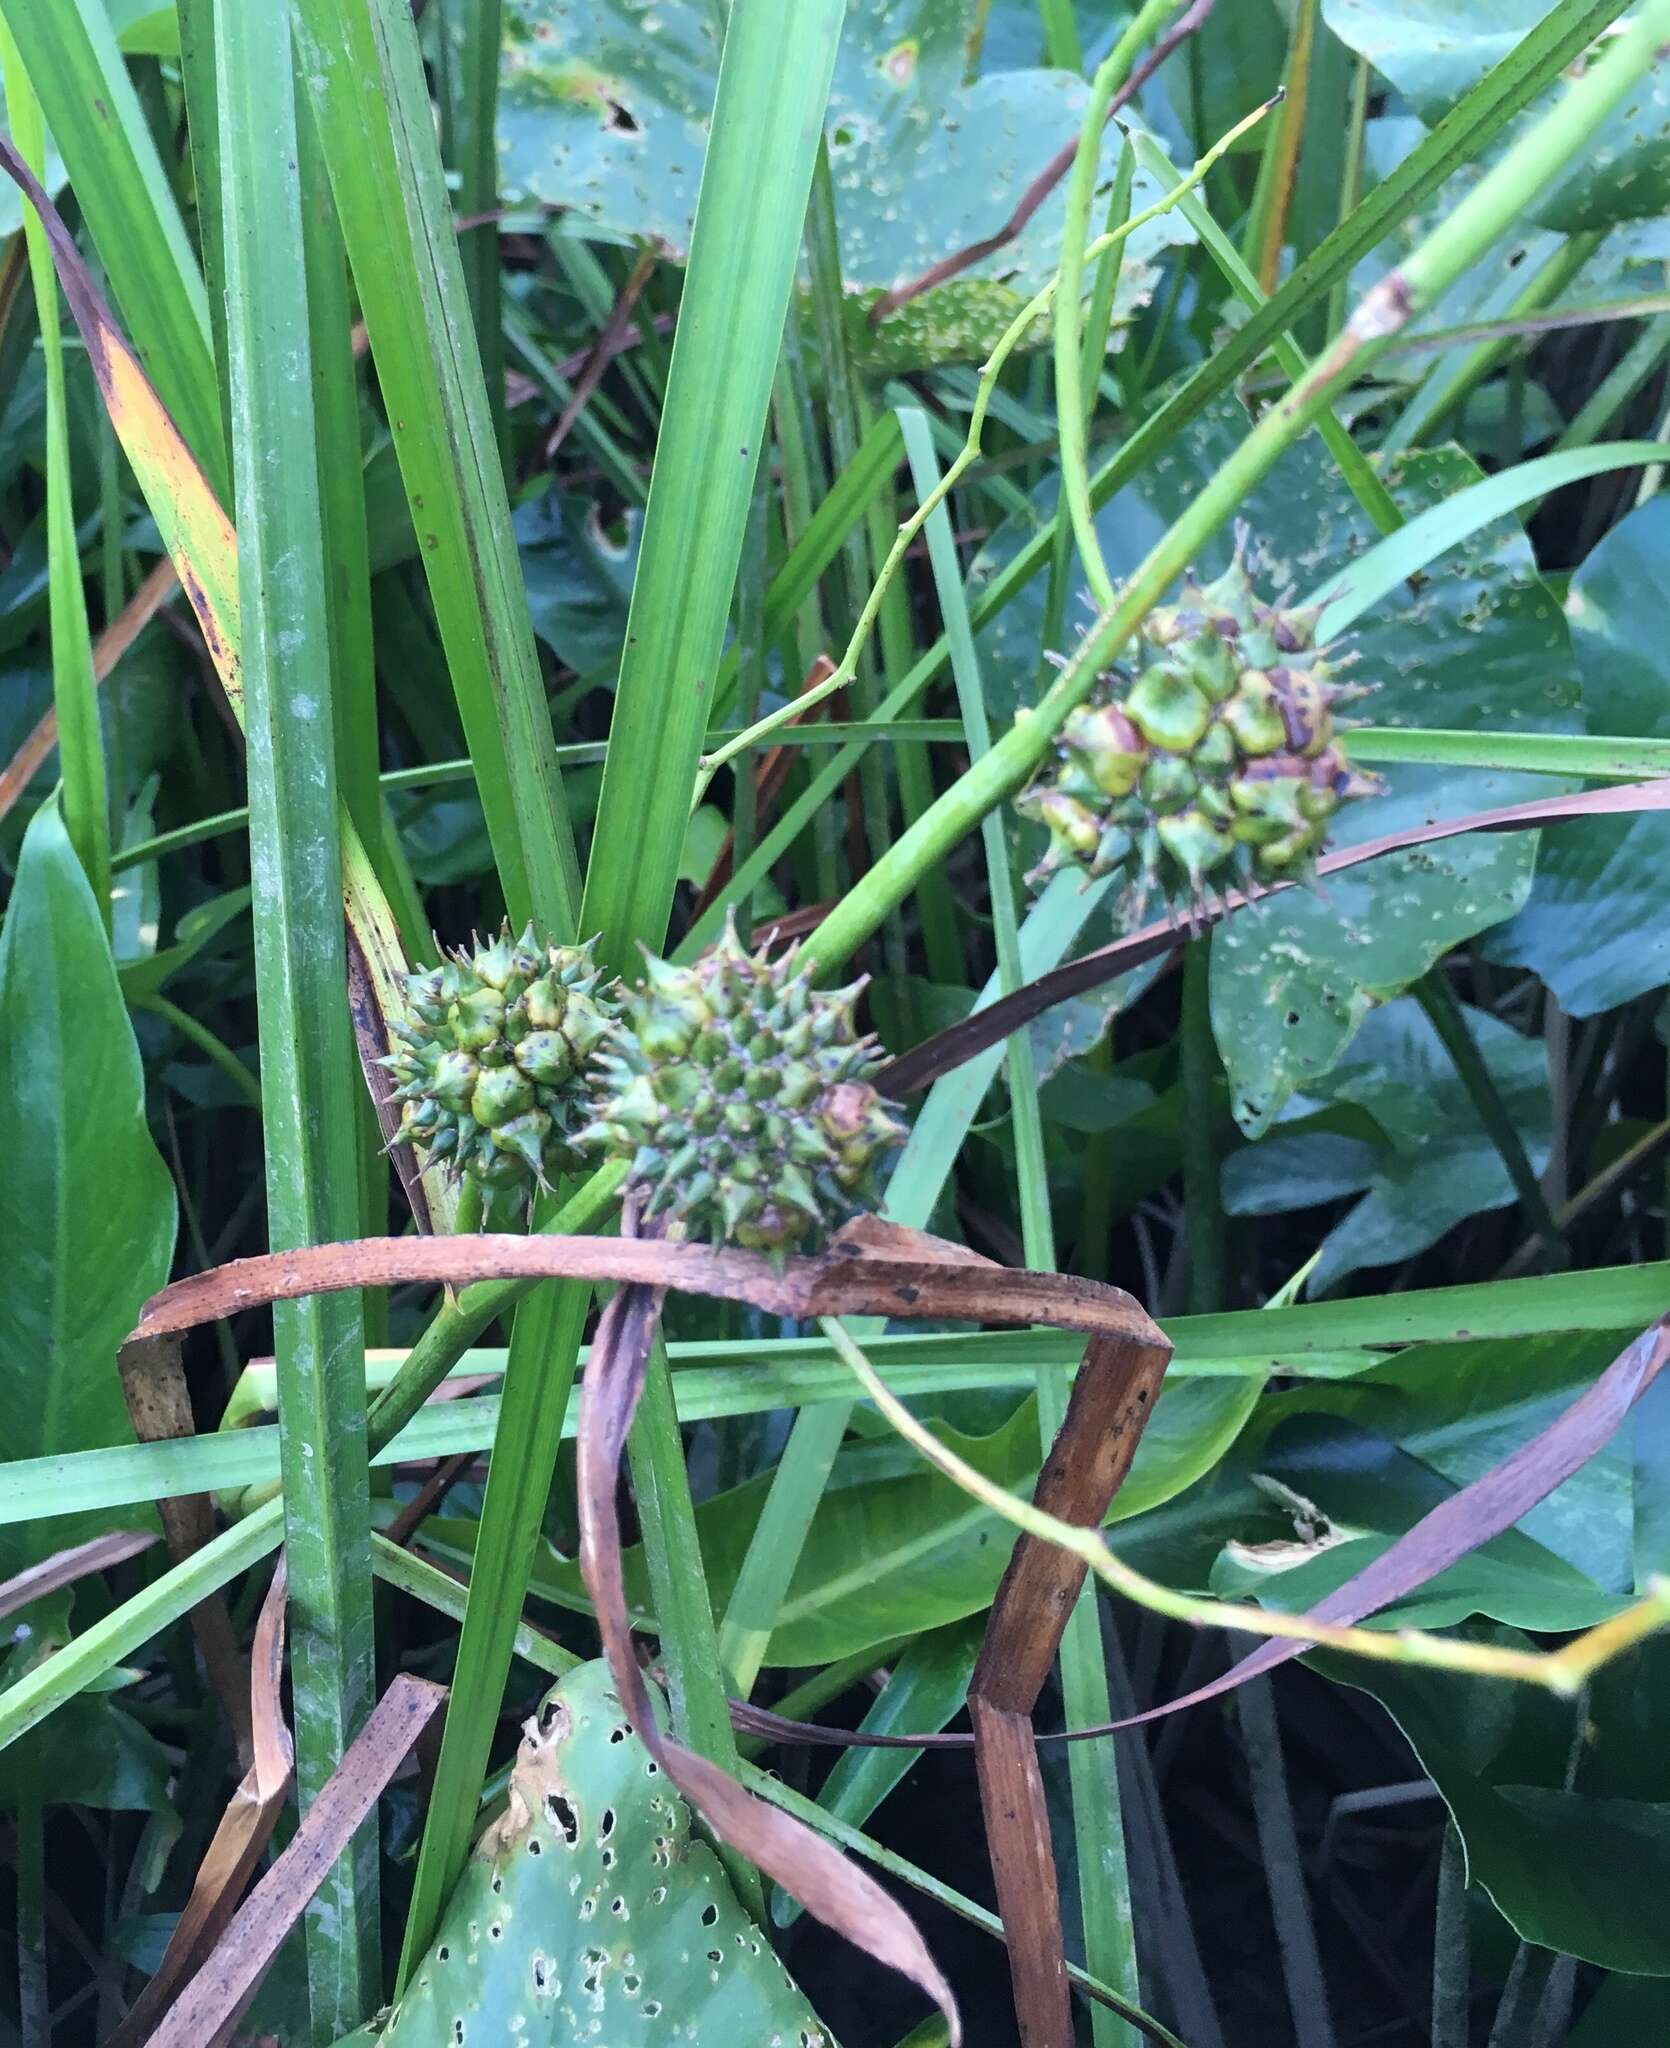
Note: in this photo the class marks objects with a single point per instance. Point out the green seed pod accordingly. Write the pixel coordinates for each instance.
(751, 1062)
(493, 1059)
(1170, 712)
(1222, 746)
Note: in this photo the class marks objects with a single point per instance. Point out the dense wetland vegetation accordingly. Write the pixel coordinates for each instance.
(985, 683)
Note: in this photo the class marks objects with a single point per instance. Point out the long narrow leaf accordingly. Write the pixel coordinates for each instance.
(773, 83)
(74, 689)
(300, 963)
(365, 80)
(75, 64)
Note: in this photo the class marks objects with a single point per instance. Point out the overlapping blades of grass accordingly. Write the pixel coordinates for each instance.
(307, 1059)
(772, 87)
(365, 80)
(71, 54)
(74, 686)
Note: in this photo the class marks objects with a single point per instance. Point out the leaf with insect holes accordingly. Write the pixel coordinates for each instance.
(591, 1908)
(1436, 1165)
(604, 112)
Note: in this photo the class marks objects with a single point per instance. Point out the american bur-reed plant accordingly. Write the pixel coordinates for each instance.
(792, 555)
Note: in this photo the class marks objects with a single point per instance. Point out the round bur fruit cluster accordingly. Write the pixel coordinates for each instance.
(741, 1094)
(1221, 759)
(493, 1059)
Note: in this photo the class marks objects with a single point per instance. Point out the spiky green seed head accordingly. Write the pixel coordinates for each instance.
(741, 1095)
(1220, 758)
(494, 1059)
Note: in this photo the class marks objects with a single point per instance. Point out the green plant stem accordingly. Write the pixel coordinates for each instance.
(841, 409)
(1104, 1881)
(1446, 387)
(1205, 1223)
(1267, 217)
(1111, 74)
(1013, 335)
(1454, 244)
(753, 652)
(1444, 1013)
(311, 1096)
(470, 35)
(437, 1589)
(678, 1588)
(99, 126)
(539, 1373)
(1354, 467)
(207, 1043)
(774, 79)
(34, 2004)
(100, 1646)
(74, 691)
(1283, 1866)
(1351, 186)
(1451, 1962)
(365, 79)
(1616, 1174)
(1061, 34)
(1619, 385)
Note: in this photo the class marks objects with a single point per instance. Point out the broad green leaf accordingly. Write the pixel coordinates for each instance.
(579, 580)
(1625, 2009)
(1292, 984)
(1581, 1866)
(1462, 1408)
(1433, 51)
(1437, 1165)
(1371, 1493)
(895, 1547)
(604, 110)
(1596, 926)
(87, 1213)
(594, 1909)
(144, 974)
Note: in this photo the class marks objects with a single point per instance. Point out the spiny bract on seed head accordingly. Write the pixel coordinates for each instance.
(493, 1058)
(1220, 759)
(741, 1095)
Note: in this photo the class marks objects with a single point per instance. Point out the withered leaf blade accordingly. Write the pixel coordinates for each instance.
(1113, 1396)
(244, 1830)
(826, 1883)
(868, 1269)
(230, 1976)
(64, 1567)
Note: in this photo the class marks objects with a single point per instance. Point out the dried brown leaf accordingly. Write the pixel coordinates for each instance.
(234, 1969)
(869, 1268)
(64, 1567)
(159, 1407)
(244, 1830)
